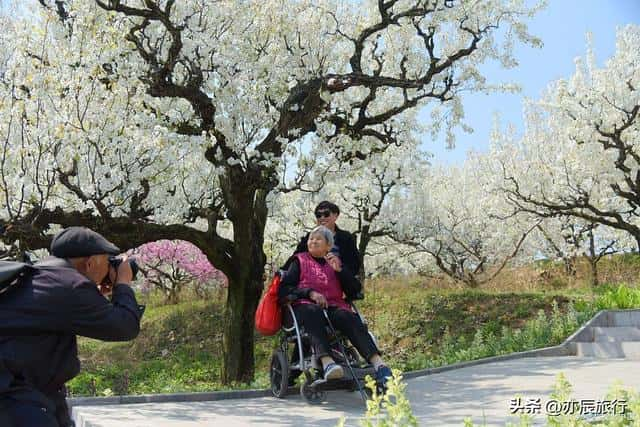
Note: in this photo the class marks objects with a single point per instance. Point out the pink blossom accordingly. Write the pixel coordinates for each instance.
(178, 259)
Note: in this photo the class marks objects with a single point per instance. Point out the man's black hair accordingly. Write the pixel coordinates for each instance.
(325, 204)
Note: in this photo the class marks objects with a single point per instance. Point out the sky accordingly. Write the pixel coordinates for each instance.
(562, 27)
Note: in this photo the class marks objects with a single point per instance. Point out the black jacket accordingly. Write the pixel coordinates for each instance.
(345, 243)
(39, 321)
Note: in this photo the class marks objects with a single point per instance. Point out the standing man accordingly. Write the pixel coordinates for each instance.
(41, 315)
(344, 247)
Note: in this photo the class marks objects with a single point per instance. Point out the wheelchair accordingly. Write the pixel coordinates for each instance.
(314, 387)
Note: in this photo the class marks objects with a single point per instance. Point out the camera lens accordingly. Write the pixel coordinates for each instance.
(116, 261)
(134, 268)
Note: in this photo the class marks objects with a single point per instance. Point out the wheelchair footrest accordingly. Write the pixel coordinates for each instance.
(346, 382)
(360, 373)
(339, 384)
(318, 382)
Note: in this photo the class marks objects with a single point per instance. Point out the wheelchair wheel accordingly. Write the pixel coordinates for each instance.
(311, 395)
(279, 374)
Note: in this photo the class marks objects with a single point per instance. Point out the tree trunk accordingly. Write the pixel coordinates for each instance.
(469, 280)
(570, 265)
(365, 238)
(595, 282)
(249, 217)
(238, 338)
(173, 294)
(593, 260)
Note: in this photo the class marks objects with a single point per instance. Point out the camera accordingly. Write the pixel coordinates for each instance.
(115, 262)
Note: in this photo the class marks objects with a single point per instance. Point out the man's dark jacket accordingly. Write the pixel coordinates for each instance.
(39, 321)
(345, 243)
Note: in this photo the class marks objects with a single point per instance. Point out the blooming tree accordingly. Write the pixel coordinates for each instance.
(462, 224)
(363, 191)
(171, 265)
(177, 130)
(580, 154)
(567, 238)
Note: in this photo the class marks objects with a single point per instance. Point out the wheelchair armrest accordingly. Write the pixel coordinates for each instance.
(356, 297)
(290, 299)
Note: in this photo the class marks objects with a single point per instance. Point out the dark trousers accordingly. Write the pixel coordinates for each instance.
(33, 413)
(17, 413)
(311, 319)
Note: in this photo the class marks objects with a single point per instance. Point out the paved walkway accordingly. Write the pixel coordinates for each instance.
(482, 392)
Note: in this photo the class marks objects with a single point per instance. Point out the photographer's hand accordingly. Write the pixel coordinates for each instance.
(123, 275)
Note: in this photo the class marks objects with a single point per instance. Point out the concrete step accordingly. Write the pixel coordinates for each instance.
(616, 333)
(623, 318)
(609, 350)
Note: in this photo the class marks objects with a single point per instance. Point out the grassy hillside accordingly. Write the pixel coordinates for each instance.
(419, 322)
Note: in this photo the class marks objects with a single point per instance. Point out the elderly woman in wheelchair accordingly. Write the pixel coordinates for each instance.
(317, 318)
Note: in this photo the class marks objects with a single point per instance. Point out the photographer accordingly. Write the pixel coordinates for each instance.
(57, 299)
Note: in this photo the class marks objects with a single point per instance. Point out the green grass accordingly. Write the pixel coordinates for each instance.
(619, 297)
(179, 347)
(419, 323)
(411, 325)
(542, 331)
(628, 260)
(178, 350)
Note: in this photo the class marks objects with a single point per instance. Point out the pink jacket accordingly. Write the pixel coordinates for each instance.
(321, 278)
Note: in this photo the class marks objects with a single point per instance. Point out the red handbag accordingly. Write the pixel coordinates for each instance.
(268, 315)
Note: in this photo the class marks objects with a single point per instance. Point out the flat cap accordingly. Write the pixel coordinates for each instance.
(75, 242)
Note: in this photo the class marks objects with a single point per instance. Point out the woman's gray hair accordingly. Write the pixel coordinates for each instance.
(324, 232)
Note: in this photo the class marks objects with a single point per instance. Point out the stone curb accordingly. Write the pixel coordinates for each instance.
(558, 350)
(171, 397)
(564, 349)
(248, 394)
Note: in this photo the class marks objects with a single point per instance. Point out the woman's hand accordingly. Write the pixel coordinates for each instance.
(318, 298)
(334, 262)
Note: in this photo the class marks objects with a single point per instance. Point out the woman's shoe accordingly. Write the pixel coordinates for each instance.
(333, 371)
(383, 373)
